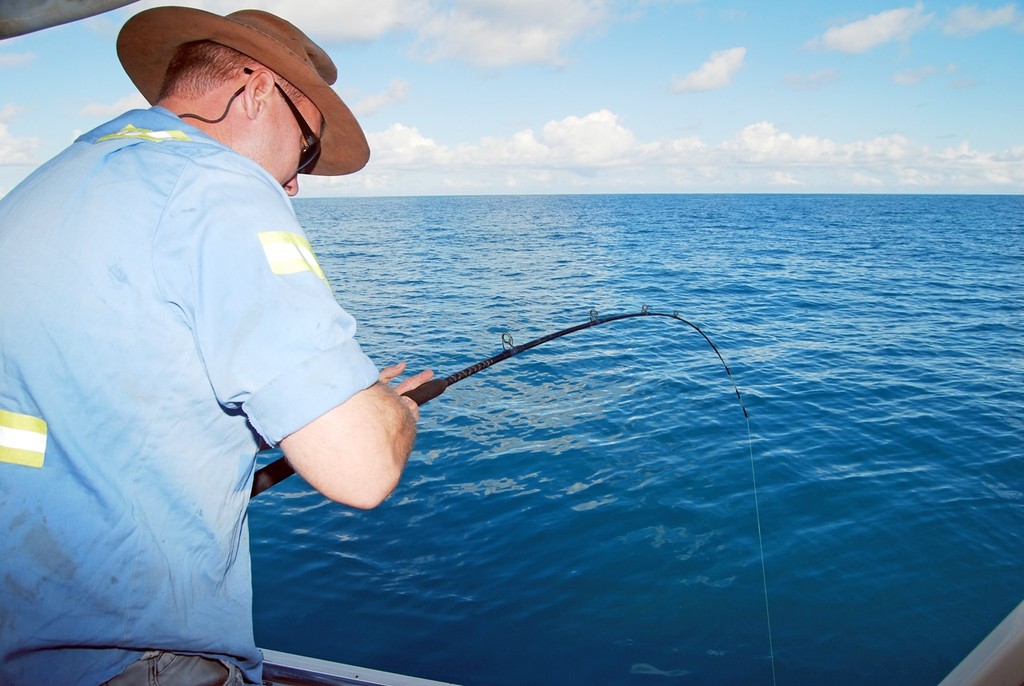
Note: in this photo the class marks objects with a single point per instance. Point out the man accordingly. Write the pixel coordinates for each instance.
(161, 313)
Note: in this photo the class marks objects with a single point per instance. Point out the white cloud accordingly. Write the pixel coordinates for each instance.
(865, 34)
(108, 111)
(762, 142)
(485, 33)
(716, 73)
(371, 104)
(350, 20)
(598, 153)
(968, 20)
(1013, 155)
(893, 148)
(1000, 169)
(691, 150)
(499, 33)
(15, 150)
(521, 150)
(595, 139)
(405, 146)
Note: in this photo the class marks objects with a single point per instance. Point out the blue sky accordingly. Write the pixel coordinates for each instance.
(592, 96)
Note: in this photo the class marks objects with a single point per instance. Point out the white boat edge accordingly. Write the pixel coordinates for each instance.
(287, 669)
(998, 660)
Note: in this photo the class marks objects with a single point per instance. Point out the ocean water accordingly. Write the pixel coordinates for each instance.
(595, 511)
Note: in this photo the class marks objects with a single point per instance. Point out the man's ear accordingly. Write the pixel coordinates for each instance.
(258, 91)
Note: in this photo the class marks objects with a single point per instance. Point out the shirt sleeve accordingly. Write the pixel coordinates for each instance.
(274, 342)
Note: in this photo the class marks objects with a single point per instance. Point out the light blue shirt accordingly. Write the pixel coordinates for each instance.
(159, 308)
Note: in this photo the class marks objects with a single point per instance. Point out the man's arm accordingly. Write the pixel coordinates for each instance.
(355, 453)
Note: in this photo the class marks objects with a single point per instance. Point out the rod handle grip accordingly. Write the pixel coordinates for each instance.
(428, 391)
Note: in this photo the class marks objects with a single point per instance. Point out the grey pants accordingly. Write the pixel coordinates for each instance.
(171, 669)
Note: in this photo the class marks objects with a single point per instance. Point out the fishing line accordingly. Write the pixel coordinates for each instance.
(280, 469)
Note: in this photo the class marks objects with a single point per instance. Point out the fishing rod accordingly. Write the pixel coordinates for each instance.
(280, 469)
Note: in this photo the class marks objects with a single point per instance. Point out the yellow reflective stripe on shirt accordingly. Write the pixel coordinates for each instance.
(289, 253)
(145, 134)
(22, 439)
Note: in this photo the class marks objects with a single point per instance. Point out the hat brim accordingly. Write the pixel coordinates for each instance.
(148, 41)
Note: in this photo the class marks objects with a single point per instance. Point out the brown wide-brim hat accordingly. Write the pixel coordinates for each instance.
(148, 40)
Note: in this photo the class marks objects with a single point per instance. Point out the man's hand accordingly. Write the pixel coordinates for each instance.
(388, 374)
